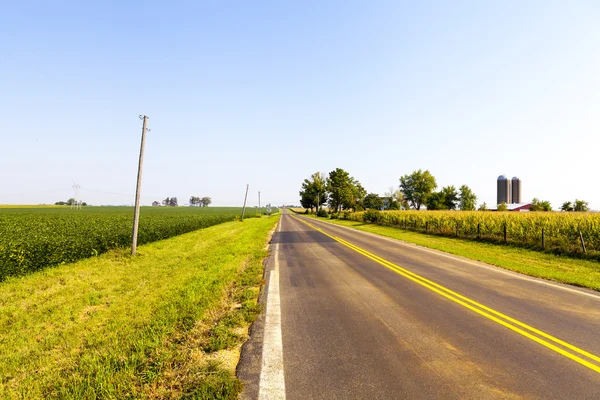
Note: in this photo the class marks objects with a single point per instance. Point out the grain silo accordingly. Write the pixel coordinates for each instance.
(503, 190)
(516, 190)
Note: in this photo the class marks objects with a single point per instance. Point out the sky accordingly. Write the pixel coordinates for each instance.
(266, 93)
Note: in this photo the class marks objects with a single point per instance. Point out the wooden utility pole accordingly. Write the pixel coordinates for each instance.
(245, 198)
(136, 212)
(259, 211)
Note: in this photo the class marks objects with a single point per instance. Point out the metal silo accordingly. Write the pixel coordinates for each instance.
(503, 190)
(516, 190)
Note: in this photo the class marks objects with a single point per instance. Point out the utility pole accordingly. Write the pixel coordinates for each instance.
(245, 198)
(259, 212)
(318, 195)
(136, 212)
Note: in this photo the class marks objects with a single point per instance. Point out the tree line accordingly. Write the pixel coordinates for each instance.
(200, 202)
(340, 191)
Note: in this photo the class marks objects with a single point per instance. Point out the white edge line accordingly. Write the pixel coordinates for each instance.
(467, 261)
(272, 382)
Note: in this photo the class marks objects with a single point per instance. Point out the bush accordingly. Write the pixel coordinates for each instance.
(322, 213)
(334, 215)
(373, 216)
(346, 215)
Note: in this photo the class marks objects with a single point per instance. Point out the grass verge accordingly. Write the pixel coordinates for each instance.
(166, 324)
(578, 272)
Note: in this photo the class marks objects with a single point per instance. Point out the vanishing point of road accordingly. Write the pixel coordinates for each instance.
(351, 315)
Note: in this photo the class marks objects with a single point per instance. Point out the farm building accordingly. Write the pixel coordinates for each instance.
(516, 207)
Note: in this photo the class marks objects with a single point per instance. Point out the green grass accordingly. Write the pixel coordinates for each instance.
(167, 323)
(32, 239)
(578, 272)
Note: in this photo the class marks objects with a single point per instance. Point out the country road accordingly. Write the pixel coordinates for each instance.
(350, 315)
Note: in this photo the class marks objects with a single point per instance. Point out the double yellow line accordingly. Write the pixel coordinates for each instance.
(581, 356)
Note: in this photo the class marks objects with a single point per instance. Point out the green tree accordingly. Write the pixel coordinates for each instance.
(205, 201)
(356, 200)
(394, 199)
(436, 201)
(483, 207)
(450, 196)
(417, 187)
(313, 191)
(340, 188)
(540, 205)
(502, 207)
(567, 206)
(373, 201)
(581, 205)
(468, 200)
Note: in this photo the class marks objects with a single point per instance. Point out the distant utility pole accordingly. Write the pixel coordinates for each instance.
(318, 195)
(136, 212)
(245, 198)
(259, 203)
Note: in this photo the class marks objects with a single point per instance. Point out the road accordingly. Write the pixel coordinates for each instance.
(351, 315)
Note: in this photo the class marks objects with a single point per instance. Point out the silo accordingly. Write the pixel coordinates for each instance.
(503, 190)
(516, 190)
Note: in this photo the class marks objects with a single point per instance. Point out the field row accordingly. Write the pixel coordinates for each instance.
(32, 239)
(557, 232)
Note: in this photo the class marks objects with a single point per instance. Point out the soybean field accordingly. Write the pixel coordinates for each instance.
(32, 239)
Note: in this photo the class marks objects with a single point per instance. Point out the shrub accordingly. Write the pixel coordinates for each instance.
(373, 216)
(322, 213)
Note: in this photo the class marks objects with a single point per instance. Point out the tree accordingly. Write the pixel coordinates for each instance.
(483, 207)
(450, 196)
(567, 206)
(468, 200)
(502, 207)
(373, 201)
(417, 187)
(166, 202)
(436, 201)
(205, 201)
(71, 201)
(581, 205)
(540, 205)
(394, 200)
(314, 191)
(340, 188)
(194, 201)
(356, 200)
(173, 202)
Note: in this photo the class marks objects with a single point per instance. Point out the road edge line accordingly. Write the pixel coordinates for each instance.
(272, 383)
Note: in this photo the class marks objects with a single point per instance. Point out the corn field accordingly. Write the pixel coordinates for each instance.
(35, 238)
(557, 232)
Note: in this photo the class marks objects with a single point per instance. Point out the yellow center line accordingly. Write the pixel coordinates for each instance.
(483, 310)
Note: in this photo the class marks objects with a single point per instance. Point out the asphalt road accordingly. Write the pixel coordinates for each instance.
(365, 317)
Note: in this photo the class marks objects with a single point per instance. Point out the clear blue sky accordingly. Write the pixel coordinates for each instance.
(267, 93)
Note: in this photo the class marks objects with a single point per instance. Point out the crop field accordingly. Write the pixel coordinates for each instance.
(552, 231)
(35, 238)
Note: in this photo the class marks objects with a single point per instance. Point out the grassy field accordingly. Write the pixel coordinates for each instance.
(579, 272)
(35, 238)
(165, 324)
